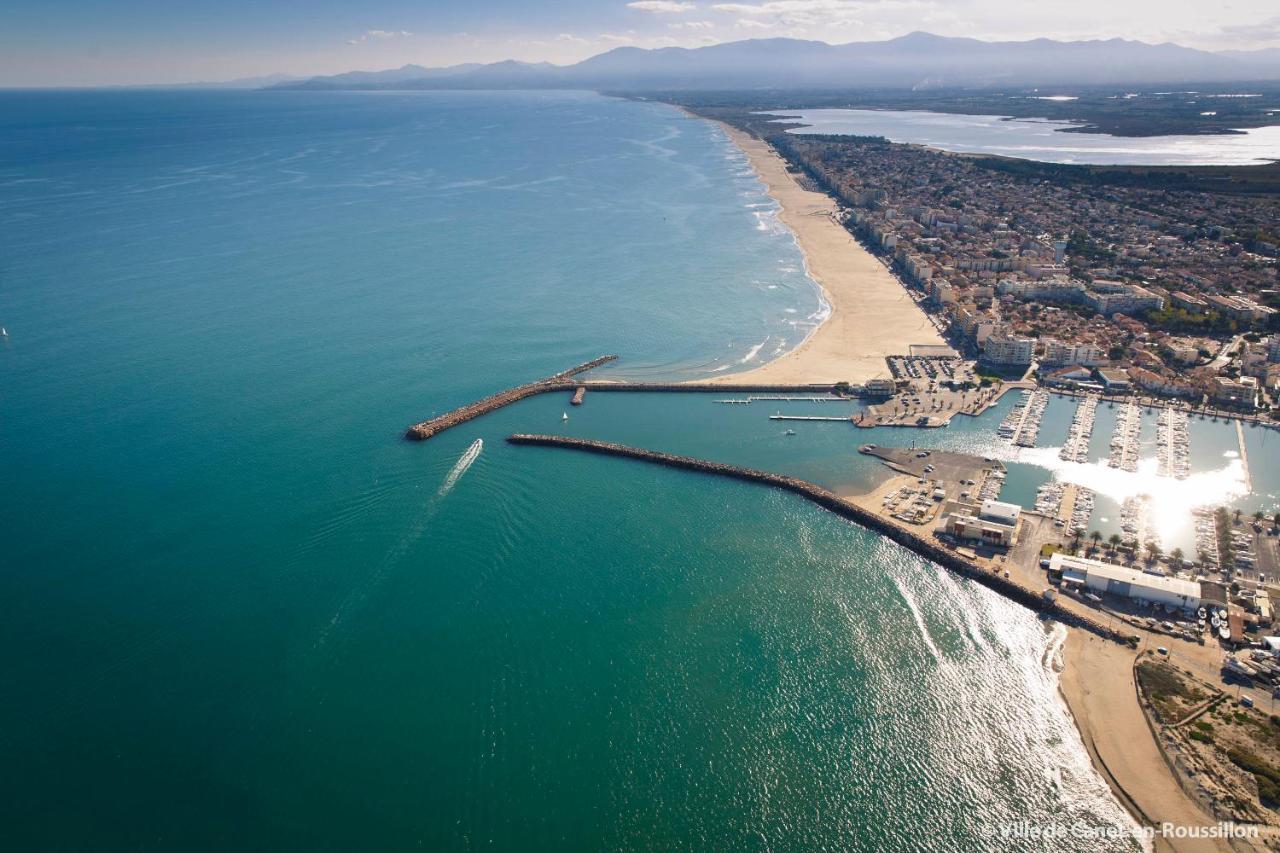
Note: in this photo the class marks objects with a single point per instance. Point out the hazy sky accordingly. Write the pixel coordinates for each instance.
(74, 42)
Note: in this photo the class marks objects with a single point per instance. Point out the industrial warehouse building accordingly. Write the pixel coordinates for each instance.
(1101, 577)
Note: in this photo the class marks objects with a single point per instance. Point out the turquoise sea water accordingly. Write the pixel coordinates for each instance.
(241, 612)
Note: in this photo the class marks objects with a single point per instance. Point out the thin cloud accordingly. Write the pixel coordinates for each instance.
(1261, 33)
(662, 7)
(691, 25)
(379, 35)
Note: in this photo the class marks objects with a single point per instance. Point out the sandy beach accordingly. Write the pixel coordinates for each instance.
(1097, 683)
(871, 315)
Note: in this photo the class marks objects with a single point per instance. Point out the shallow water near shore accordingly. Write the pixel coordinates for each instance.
(242, 611)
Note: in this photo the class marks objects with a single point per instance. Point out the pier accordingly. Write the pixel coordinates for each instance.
(1244, 458)
(565, 381)
(808, 418)
(434, 426)
(847, 509)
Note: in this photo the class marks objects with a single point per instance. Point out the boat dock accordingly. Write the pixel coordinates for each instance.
(1244, 458)
(808, 418)
(782, 399)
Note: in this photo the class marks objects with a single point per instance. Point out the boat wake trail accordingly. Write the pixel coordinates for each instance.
(919, 620)
(460, 467)
(358, 596)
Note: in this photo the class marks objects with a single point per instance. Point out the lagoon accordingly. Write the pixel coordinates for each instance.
(1040, 139)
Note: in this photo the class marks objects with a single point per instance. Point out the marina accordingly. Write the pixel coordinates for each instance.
(1076, 447)
(1173, 450)
(1126, 442)
(1022, 425)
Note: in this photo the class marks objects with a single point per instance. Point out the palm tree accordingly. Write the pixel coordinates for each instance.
(1275, 519)
(1114, 541)
(1096, 536)
(1153, 551)
(1177, 556)
(1258, 516)
(1237, 516)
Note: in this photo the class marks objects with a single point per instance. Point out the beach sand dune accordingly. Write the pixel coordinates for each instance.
(871, 314)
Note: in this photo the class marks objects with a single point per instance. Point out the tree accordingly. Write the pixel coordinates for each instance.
(1177, 555)
(1096, 536)
(1153, 551)
(1275, 519)
(1258, 516)
(1114, 541)
(1237, 516)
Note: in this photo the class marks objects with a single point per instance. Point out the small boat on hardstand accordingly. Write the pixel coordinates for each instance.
(1224, 631)
(1236, 666)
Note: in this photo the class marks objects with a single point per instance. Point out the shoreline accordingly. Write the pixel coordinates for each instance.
(1096, 682)
(869, 314)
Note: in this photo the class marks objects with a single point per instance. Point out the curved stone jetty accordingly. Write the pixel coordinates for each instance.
(559, 381)
(832, 502)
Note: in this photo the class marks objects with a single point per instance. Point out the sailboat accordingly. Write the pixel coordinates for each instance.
(564, 416)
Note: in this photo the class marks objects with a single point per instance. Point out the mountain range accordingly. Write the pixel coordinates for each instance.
(915, 61)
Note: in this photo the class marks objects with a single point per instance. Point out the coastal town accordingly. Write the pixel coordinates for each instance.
(990, 303)
(1171, 294)
(785, 425)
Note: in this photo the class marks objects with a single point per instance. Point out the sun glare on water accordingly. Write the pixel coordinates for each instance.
(1171, 501)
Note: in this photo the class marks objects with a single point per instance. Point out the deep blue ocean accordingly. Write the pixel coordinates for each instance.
(241, 612)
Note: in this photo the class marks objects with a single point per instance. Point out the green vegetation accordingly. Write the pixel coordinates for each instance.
(1263, 179)
(1173, 319)
(1266, 774)
(1167, 691)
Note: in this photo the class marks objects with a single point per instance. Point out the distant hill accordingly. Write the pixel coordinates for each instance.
(915, 61)
(392, 77)
(1266, 61)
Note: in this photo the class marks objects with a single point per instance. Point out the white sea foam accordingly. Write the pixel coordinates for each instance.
(460, 467)
(753, 352)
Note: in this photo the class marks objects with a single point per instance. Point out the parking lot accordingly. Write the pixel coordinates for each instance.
(935, 368)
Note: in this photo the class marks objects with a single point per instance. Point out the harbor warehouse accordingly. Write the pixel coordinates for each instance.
(1103, 577)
